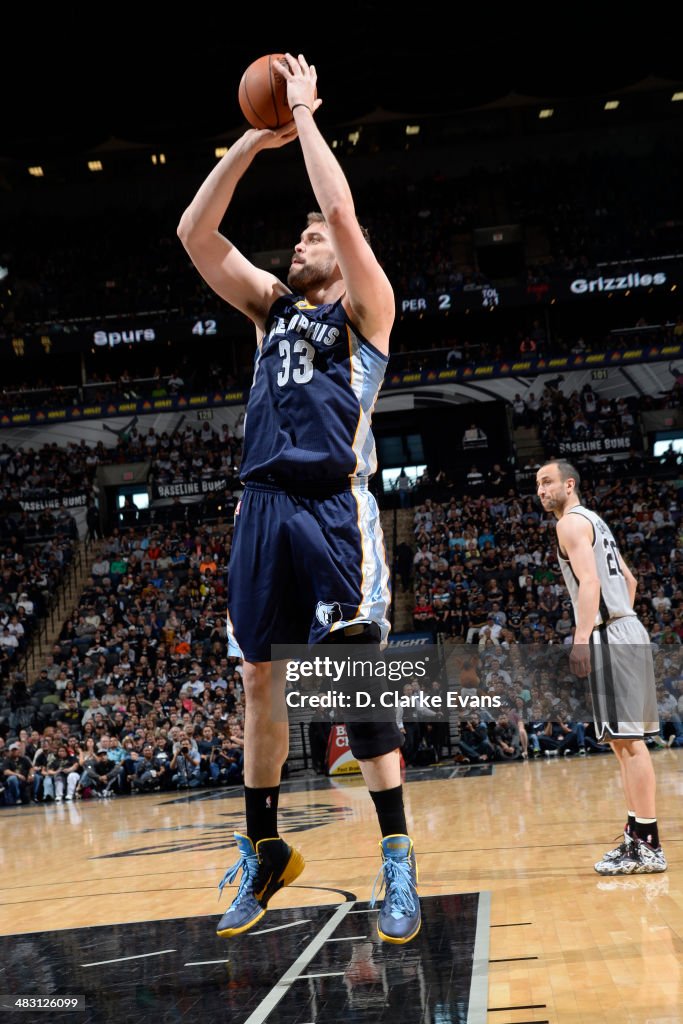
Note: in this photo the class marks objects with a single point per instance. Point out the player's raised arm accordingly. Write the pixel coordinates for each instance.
(575, 536)
(220, 263)
(369, 296)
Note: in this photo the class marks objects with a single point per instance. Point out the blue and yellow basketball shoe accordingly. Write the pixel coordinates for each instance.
(265, 870)
(399, 916)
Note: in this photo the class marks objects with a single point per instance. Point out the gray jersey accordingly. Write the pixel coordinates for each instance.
(615, 601)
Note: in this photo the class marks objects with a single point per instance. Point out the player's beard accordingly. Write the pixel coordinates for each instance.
(305, 276)
(555, 505)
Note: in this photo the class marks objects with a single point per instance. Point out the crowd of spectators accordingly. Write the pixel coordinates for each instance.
(525, 703)
(189, 453)
(140, 666)
(138, 693)
(36, 550)
(37, 546)
(613, 207)
(53, 471)
(23, 395)
(486, 565)
(582, 415)
(445, 352)
(600, 206)
(484, 573)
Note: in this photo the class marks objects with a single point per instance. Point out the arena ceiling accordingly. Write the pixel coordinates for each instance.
(85, 77)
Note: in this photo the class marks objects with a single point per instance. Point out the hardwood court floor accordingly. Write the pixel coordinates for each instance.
(567, 946)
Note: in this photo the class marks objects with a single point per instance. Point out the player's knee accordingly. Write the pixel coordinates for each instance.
(369, 740)
(628, 747)
(279, 752)
(258, 677)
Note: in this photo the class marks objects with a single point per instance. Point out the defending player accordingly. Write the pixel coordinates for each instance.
(612, 648)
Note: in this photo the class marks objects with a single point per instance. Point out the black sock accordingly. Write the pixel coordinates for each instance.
(261, 807)
(390, 811)
(630, 824)
(646, 829)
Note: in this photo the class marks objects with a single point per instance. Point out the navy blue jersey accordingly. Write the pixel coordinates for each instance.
(309, 412)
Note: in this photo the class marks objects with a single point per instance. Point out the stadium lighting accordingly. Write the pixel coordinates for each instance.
(36, 172)
(94, 165)
(546, 112)
(611, 104)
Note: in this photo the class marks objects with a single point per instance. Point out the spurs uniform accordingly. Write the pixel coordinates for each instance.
(622, 679)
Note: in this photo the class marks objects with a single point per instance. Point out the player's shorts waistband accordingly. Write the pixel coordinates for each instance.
(602, 626)
(304, 489)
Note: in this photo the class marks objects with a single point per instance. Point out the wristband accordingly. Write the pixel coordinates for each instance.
(301, 105)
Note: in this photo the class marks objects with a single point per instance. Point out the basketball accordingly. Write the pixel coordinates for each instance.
(263, 94)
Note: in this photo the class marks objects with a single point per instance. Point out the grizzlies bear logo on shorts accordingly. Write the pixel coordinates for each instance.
(326, 614)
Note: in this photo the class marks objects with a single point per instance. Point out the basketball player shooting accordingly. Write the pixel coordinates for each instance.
(307, 562)
(612, 648)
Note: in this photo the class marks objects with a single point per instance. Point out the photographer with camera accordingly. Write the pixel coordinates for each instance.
(43, 784)
(185, 765)
(206, 745)
(144, 777)
(226, 764)
(162, 763)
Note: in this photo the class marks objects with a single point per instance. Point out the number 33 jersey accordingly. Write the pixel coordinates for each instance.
(315, 385)
(615, 601)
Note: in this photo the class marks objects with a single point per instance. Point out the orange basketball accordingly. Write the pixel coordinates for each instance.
(263, 94)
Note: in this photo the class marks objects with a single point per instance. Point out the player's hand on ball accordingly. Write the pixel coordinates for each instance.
(273, 138)
(301, 81)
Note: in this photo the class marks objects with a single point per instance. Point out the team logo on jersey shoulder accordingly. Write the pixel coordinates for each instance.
(326, 614)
